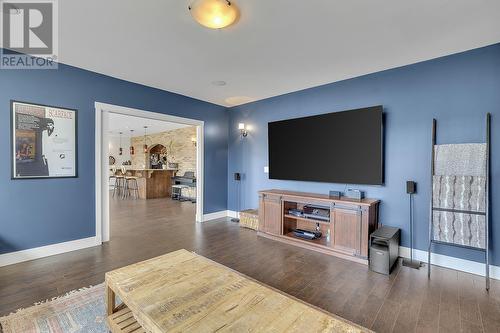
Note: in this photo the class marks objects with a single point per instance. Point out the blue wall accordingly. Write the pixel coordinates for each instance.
(457, 90)
(40, 212)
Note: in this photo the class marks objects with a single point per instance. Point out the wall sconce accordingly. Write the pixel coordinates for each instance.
(243, 129)
(193, 141)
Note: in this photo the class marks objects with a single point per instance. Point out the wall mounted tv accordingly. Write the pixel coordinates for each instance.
(341, 147)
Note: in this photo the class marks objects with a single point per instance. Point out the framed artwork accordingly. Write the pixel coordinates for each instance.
(44, 141)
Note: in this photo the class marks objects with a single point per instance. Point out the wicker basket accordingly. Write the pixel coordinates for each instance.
(249, 219)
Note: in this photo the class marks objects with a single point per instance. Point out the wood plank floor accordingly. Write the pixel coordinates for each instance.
(406, 301)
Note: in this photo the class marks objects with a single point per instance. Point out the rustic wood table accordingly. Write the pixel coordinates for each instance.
(184, 292)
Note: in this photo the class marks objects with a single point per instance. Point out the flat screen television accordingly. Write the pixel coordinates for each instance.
(340, 147)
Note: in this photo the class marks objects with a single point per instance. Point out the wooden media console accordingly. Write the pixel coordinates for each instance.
(350, 222)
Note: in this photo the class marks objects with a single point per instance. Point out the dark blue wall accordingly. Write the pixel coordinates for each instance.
(40, 212)
(457, 90)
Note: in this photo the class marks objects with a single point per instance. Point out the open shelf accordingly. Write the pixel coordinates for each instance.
(306, 219)
(319, 241)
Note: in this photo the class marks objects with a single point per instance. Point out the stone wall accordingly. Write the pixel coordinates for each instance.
(183, 150)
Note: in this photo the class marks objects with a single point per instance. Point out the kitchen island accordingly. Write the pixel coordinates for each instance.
(153, 183)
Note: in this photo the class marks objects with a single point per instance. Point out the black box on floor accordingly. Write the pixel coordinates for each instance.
(384, 249)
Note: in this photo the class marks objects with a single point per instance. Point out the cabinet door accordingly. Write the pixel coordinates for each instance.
(347, 230)
(270, 214)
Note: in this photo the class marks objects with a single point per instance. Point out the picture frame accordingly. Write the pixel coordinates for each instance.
(44, 141)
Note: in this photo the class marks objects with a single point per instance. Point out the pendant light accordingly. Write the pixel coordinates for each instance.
(214, 14)
(145, 145)
(121, 149)
(132, 150)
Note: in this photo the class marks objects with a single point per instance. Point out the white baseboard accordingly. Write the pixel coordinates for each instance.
(215, 215)
(233, 214)
(221, 214)
(458, 264)
(46, 251)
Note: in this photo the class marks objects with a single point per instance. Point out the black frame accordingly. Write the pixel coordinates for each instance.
(12, 175)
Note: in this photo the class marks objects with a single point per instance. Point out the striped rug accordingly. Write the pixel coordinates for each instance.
(79, 311)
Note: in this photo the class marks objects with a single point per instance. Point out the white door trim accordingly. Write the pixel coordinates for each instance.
(102, 111)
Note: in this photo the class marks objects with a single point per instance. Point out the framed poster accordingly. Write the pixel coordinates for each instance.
(44, 141)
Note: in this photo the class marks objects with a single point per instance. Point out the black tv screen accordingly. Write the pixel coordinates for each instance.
(340, 147)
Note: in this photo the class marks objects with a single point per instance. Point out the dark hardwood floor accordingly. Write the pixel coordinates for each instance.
(406, 301)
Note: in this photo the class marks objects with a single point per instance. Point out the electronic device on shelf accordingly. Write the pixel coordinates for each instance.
(296, 212)
(335, 194)
(317, 212)
(307, 234)
(355, 194)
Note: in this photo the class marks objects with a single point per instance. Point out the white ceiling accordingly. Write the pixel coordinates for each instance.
(123, 123)
(278, 46)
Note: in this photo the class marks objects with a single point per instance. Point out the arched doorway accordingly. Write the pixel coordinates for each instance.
(156, 156)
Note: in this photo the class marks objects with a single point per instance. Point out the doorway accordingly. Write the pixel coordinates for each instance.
(145, 163)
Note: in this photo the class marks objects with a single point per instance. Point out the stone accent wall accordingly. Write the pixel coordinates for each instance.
(183, 149)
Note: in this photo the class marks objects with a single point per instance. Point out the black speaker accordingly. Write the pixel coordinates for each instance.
(237, 176)
(411, 187)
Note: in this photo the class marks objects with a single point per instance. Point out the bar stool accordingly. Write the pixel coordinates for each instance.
(112, 176)
(119, 182)
(124, 182)
(131, 185)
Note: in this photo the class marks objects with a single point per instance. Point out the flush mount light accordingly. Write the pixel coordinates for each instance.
(214, 14)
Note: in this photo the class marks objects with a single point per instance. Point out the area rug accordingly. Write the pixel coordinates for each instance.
(79, 311)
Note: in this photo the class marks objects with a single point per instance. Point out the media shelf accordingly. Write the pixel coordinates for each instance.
(318, 241)
(306, 219)
(350, 222)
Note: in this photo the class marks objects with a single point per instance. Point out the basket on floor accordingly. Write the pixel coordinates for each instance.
(249, 219)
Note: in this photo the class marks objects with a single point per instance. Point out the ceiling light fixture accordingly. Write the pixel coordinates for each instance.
(131, 148)
(121, 149)
(145, 144)
(214, 14)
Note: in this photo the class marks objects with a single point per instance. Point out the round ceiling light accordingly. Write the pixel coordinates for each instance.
(214, 14)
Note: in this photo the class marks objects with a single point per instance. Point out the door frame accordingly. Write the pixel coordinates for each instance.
(102, 111)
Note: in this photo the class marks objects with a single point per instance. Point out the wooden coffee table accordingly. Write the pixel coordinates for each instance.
(184, 292)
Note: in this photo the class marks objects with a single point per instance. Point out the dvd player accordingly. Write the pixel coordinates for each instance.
(317, 212)
(296, 212)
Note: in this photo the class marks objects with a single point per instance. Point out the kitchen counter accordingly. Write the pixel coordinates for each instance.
(153, 183)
